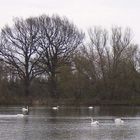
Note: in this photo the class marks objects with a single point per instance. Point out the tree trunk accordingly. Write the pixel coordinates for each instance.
(53, 86)
(27, 92)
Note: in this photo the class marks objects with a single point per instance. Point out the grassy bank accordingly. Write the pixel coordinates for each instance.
(4, 101)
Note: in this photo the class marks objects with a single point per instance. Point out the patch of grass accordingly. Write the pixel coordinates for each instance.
(15, 100)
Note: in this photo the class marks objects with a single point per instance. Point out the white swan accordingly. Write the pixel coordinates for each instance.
(25, 111)
(118, 121)
(94, 123)
(90, 107)
(55, 107)
(20, 115)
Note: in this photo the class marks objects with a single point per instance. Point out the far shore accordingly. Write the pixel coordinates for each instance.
(67, 102)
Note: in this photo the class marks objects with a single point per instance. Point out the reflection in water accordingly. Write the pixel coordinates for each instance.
(70, 124)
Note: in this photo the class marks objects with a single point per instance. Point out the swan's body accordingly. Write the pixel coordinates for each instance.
(25, 111)
(20, 115)
(90, 107)
(55, 107)
(94, 123)
(118, 121)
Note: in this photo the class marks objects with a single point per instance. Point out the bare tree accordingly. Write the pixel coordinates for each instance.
(59, 39)
(120, 42)
(98, 47)
(18, 49)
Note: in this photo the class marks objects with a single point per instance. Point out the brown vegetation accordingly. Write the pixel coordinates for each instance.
(45, 60)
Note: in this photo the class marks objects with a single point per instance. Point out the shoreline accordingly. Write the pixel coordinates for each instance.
(67, 102)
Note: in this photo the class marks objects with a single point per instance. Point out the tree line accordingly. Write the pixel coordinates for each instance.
(49, 57)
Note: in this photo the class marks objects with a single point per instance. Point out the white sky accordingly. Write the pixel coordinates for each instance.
(84, 13)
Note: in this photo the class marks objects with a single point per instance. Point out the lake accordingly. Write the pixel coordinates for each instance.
(70, 123)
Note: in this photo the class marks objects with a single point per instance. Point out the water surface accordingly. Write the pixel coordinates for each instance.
(70, 123)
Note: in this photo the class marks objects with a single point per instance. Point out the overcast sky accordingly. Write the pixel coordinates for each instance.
(84, 13)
